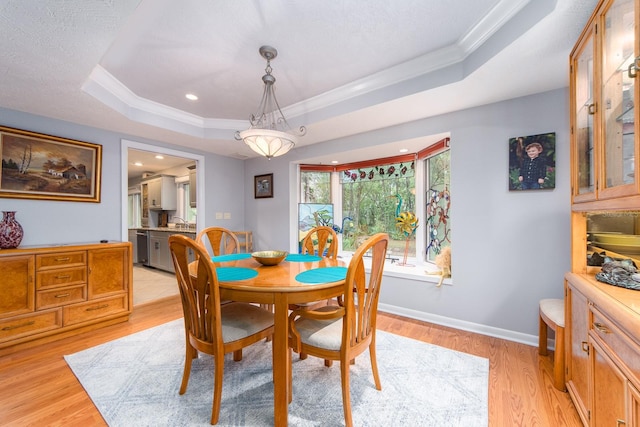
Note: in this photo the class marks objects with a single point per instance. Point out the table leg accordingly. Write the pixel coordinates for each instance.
(281, 360)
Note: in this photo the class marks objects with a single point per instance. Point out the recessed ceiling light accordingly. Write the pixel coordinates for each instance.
(404, 150)
(137, 164)
(335, 162)
(159, 156)
(191, 97)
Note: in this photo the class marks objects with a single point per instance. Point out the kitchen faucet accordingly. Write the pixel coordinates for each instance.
(184, 222)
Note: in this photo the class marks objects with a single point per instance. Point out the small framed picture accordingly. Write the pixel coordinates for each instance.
(263, 186)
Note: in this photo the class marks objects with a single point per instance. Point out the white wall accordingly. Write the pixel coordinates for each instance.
(55, 222)
(509, 249)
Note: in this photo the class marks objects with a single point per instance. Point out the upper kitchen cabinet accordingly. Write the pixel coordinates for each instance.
(604, 65)
(161, 192)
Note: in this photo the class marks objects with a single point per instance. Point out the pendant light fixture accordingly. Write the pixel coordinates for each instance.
(269, 134)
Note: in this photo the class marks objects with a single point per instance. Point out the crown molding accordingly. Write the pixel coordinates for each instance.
(103, 86)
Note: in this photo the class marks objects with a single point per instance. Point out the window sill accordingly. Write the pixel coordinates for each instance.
(416, 272)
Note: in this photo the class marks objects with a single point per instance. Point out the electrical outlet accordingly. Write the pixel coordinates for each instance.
(218, 215)
(227, 215)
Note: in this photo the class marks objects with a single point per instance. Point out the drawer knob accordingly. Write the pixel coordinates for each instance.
(63, 259)
(22, 325)
(63, 277)
(62, 295)
(602, 328)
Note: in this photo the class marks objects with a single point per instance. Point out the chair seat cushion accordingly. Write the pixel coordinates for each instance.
(554, 310)
(239, 320)
(321, 333)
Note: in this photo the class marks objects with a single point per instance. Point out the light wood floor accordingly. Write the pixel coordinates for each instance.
(37, 388)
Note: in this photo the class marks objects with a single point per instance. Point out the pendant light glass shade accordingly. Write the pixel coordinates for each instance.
(270, 134)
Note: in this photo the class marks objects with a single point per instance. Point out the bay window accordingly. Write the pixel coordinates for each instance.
(369, 196)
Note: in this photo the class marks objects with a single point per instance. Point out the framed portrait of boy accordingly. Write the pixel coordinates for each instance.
(532, 162)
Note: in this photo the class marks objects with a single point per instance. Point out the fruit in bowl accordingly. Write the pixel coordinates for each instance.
(269, 257)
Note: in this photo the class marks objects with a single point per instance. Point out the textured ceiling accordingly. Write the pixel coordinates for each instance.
(344, 67)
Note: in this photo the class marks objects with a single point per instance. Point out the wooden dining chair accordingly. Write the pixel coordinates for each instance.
(321, 241)
(343, 332)
(210, 327)
(220, 240)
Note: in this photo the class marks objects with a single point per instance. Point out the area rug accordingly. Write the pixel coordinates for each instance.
(134, 381)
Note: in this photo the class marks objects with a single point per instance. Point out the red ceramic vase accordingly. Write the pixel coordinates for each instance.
(10, 231)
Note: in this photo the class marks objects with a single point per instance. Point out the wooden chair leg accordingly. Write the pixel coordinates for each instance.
(558, 361)
(237, 355)
(542, 338)
(189, 356)
(346, 393)
(217, 387)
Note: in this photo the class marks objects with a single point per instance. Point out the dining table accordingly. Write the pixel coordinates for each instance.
(299, 278)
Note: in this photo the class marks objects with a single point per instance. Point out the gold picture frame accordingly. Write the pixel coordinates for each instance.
(40, 166)
(263, 186)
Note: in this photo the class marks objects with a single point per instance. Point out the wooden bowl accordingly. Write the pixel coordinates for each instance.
(269, 257)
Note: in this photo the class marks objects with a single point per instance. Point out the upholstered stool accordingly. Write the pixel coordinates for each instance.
(552, 316)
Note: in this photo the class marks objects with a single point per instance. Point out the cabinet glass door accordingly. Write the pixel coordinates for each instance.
(584, 116)
(618, 116)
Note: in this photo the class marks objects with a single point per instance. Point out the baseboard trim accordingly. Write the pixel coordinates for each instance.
(491, 331)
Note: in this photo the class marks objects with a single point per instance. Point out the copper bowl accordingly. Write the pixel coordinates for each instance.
(269, 257)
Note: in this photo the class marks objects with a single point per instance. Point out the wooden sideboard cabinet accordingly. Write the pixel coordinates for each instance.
(48, 293)
(603, 355)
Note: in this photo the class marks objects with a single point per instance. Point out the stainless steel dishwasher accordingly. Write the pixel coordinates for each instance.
(142, 237)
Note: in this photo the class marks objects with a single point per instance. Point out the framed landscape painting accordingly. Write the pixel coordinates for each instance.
(38, 166)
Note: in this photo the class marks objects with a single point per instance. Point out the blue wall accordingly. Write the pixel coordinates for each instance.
(509, 249)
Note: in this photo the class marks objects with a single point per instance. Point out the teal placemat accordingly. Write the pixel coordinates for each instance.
(322, 275)
(230, 257)
(302, 258)
(231, 274)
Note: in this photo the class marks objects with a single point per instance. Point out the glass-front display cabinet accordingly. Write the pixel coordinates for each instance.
(604, 67)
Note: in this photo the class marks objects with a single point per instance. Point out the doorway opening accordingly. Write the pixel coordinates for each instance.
(155, 284)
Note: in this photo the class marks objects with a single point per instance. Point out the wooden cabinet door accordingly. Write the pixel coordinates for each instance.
(17, 287)
(583, 110)
(577, 348)
(618, 94)
(108, 271)
(609, 388)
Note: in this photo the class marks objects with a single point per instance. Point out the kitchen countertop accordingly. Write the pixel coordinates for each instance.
(167, 229)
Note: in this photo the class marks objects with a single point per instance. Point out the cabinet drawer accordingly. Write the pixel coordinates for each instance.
(627, 351)
(30, 324)
(61, 277)
(60, 296)
(83, 312)
(61, 259)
